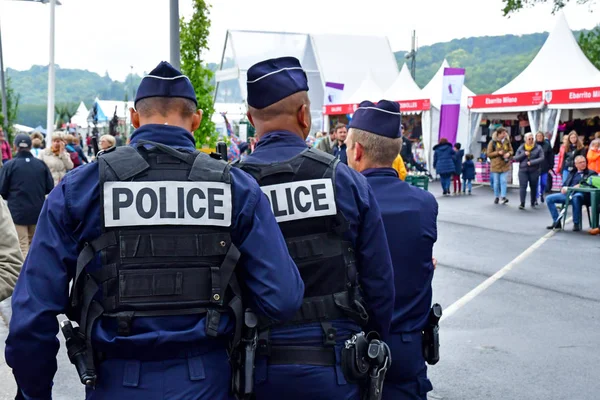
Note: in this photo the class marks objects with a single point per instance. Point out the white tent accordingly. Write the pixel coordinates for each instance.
(561, 69)
(323, 57)
(80, 117)
(433, 90)
(406, 91)
(560, 64)
(368, 90)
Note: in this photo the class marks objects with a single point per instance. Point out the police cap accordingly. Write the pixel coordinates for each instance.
(166, 81)
(273, 80)
(383, 118)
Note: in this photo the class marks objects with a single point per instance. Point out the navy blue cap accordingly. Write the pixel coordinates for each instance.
(273, 80)
(22, 141)
(165, 81)
(383, 118)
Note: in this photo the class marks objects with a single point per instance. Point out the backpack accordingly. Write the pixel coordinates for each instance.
(593, 181)
(74, 157)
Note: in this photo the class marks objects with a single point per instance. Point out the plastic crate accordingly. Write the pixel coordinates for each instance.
(418, 181)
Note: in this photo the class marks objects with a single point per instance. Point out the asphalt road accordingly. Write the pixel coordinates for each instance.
(533, 334)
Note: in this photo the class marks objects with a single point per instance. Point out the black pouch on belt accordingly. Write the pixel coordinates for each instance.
(355, 362)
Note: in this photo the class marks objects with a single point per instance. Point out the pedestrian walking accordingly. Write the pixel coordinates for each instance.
(468, 173)
(443, 162)
(500, 152)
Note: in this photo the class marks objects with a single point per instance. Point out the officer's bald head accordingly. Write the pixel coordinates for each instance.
(291, 113)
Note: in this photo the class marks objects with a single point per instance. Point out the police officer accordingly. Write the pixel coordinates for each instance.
(150, 234)
(332, 225)
(409, 215)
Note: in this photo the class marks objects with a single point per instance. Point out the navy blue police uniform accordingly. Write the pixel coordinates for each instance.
(150, 234)
(332, 225)
(410, 218)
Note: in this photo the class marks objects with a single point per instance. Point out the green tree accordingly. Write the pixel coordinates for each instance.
(590, 44)
(12, 105)
(64, 113)
(512, 6)
(194, 41)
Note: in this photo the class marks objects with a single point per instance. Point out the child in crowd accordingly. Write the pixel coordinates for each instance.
(468, 173)
(457, 157)
(593, 156)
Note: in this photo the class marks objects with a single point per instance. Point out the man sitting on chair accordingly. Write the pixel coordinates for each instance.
(576, 176)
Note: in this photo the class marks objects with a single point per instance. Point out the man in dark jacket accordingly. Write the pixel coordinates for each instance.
(579, 174)
(24, 183)
(547, 165)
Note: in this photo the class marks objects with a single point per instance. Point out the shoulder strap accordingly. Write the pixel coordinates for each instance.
(206, 168)
(126, 162)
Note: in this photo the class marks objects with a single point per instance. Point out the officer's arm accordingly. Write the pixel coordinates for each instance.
(267, 270)
(4, 177)
(49, 179)
(375, 269)
(40, 295)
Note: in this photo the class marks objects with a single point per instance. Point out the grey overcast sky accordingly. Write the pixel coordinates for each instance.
(112, 35)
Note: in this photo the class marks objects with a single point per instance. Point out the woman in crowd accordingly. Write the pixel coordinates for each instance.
(107, 141)
(572, 147)
(530, 156)
(500, 152)
(547, 165)
(56, 157)
(443, 162)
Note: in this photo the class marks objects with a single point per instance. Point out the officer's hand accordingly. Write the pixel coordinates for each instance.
(434, 261)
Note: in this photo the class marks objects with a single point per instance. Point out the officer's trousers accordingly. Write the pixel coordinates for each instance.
(303, 382)
(407, 377)
(197, 377)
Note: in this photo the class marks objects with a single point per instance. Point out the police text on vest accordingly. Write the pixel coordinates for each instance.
(299, 200)
(167, 203)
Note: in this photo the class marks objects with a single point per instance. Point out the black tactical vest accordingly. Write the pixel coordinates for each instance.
(303, 199)
(166, 247)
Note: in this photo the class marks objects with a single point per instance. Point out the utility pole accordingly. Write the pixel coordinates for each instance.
(174, 33)
(3, 83)
(51, 78)
(412, 55)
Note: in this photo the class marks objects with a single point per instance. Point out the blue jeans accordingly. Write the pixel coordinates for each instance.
(543, 182)
(469, 183)
(559, 198)
(445, 180)
(565, 175)
(499, 183)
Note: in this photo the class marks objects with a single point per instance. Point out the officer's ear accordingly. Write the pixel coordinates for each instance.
(135, 118)
(359, 151)
(303, 117)
(196, 120)
(250, 119)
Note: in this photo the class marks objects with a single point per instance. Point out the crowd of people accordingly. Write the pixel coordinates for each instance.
(535, 158)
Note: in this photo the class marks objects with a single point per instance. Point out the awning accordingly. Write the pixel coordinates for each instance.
(512, 102)
(406, 107)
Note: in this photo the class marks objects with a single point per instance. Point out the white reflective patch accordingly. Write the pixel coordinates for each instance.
(167, 203)
(301, 200)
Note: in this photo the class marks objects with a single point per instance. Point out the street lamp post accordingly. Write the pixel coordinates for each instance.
(51, 77)
(174, 33)
(3, 84)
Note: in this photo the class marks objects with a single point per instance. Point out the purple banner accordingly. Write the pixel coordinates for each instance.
(454, 79)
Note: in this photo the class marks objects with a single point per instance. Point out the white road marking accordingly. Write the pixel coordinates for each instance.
(460, 303)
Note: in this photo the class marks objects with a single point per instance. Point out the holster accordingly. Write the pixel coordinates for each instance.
(354, 363)
(243, 357)
(365, 360)
(79, 354)
(431, 336)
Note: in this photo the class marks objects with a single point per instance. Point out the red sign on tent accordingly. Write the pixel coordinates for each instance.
(526, 99)
(405, 106)
(569, 96)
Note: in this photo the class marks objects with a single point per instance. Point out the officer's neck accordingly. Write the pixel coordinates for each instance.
(169, 120)
(364, 164)
(263, 129)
